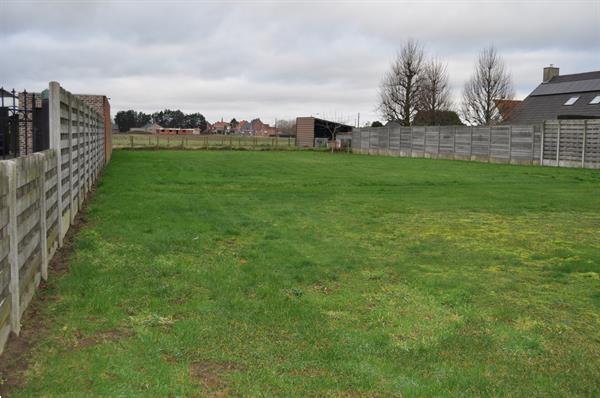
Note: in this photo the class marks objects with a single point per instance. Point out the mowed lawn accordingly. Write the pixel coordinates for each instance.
(311, 274)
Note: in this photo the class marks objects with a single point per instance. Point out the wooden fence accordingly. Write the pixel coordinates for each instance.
(39, 197)
(578, 143)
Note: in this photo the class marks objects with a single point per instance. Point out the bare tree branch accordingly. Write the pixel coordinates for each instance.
(434, 95)
(490, 82)
(399, 90)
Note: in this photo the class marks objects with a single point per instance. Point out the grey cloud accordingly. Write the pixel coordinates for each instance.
(272, 60)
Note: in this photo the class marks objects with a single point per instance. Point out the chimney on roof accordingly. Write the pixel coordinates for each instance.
(550, 72)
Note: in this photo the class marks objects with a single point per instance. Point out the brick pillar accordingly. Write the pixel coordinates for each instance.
(25, 141)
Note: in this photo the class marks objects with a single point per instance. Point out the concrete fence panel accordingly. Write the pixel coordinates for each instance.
(462, 142)
(565, 143)
(5, 269)
(40, 195)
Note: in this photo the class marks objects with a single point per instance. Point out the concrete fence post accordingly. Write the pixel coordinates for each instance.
(99, 126)
(389, 148)
(489, 144)
(54, 128)
(583, 143)
(79, 156)
(91, 157)
(70, 133)
(531, 158)
(82, 153)
(558, 145)
(542, 143)
(82, 150)
(411, 141)
(454, 142)
(43, 222)
(13, 254)
(510, 144)
(439, 138)
(471, 143)
(87, 126)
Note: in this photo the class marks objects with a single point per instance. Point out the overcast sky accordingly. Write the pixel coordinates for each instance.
(278, 60)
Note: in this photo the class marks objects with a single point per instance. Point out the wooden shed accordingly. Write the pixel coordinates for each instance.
(309, 129)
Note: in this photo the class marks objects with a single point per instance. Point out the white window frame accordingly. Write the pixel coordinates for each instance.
(571, 101)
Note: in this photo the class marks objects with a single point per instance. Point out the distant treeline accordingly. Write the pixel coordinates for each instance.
(168, 118)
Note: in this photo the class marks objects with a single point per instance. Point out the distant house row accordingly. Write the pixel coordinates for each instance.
(255, 127)
(154, 128)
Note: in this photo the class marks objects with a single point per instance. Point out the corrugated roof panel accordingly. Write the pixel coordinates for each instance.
(567, 87)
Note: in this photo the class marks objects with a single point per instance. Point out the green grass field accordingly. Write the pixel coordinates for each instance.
(314, 274)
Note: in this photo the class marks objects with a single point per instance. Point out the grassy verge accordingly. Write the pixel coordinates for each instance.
(311, 274)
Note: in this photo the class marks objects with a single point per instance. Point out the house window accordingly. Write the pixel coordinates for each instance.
(571, 101)
(595, 100)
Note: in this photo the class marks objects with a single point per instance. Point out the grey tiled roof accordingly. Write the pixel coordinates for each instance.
(576, 77)
(580, 86)
(547, 100)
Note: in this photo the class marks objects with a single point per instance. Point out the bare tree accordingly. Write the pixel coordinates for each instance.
(333, 129)
(399, 90)
(490, 82)
(337, 124)
(434, 95)
(287, 127)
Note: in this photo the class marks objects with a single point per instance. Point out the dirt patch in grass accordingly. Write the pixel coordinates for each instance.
(104, 336)
(35, 326)
(210, 373)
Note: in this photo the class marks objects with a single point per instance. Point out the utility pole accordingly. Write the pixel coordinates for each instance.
(358, 123)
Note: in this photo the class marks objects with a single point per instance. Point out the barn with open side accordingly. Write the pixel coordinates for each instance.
(310, 131)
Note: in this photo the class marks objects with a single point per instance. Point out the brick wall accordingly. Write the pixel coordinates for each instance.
(107, 131)
(25, 141)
